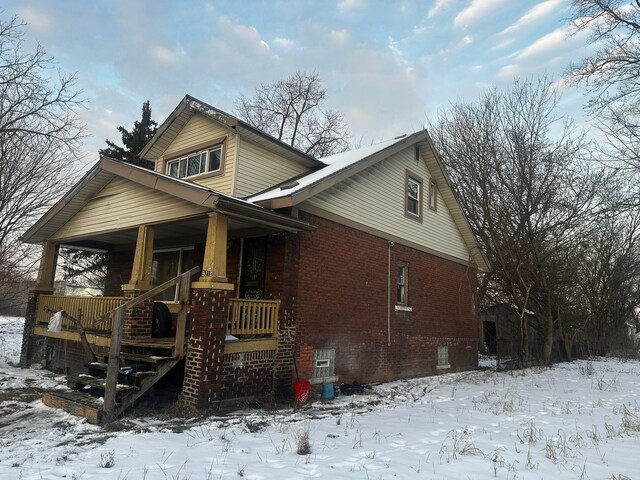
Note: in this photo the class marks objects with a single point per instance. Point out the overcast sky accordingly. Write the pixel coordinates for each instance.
(388, 65)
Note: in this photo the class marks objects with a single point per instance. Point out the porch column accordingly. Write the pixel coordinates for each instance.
(43, 286)
(142, 260)
(137, 321)
(214, 265)
(209, 310)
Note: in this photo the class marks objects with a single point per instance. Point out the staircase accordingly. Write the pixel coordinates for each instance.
(141, 368)
(131, 368)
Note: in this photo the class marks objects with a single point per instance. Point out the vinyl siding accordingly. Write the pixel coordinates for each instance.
(259, 169)
(375, 198)
(124, 204)
(197, 131)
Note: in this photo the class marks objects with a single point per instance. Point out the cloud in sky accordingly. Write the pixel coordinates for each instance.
(476, 11)
(534, 14)
(384, 64)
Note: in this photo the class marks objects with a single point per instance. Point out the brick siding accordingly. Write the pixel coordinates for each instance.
(342, 304)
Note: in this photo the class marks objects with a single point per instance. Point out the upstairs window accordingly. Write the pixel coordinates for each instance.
(196, 163)
(433, 196)
(413, 197)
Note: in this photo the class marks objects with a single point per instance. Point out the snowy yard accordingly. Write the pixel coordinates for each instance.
(572, 421)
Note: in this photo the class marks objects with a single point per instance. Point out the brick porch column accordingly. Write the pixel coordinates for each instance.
(205, 353)
(44, 286)
(209, 306)
(137, 321)
(26, 352)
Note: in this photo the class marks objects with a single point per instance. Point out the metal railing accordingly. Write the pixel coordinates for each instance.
(252, 317)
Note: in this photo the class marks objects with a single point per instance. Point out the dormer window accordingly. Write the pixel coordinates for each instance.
(204, 161)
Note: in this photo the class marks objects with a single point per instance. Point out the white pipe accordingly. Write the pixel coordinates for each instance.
(389, 297)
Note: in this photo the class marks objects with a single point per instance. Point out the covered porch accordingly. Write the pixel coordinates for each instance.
(226, 322)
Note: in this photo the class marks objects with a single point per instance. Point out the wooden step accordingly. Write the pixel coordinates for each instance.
(124, 372)
(145, 358)
(78, 381)
(75, 403)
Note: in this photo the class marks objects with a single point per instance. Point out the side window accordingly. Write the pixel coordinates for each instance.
(401, 296)
(413, 197)
(433, 196)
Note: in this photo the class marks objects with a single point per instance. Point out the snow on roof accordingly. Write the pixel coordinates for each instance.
(335, 163)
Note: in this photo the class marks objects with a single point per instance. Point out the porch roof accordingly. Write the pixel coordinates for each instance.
(107, 169)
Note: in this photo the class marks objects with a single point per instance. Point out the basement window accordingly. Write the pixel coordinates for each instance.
(443, 357)
(323, 365)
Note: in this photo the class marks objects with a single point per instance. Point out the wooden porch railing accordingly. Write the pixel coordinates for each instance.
(252, 317)
(86, 309)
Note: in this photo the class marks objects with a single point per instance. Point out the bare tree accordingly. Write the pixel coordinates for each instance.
(292, 110)
(612, 73)
(39, 136)
(608, 275)
(527, 194)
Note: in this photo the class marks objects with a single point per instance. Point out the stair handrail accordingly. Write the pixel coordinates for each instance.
(113, 367)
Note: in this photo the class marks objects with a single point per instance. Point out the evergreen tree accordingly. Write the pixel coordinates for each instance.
(134, 140)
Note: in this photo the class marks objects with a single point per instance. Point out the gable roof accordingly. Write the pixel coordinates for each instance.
(106, 169)
(190, 106)
(343, 165)
(338, 167)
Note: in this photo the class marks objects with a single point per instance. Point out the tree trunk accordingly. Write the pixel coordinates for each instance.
(548, 339)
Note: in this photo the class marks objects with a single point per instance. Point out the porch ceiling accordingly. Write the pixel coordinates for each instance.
(178, 233)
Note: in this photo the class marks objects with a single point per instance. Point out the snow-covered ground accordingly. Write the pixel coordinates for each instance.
(574, 421)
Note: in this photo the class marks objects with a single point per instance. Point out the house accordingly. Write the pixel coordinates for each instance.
(359, 266)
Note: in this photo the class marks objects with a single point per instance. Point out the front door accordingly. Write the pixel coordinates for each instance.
(254, 260)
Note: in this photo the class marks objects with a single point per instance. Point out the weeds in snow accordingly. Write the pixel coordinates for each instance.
(303, 444)
(107, 459)
(458, 443)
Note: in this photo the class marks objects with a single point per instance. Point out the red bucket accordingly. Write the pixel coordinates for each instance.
(301, 391)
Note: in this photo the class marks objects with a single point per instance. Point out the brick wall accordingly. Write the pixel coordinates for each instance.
(342, 304)
(66, 356)
(247, 374)
(137, 321)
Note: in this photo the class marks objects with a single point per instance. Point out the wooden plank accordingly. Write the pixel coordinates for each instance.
(181, 323)
(114, 366)
(93, 414)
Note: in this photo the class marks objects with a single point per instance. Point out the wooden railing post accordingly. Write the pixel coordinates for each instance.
(181, 323)
(113, 367)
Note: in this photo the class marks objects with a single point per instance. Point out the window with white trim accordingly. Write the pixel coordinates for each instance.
(401, 284)
(443, 357)
(413, 196)
(205, 161)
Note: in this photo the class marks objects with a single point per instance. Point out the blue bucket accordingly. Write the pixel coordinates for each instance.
(327, 391)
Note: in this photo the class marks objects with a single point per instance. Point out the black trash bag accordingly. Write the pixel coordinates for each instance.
(351, 388)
